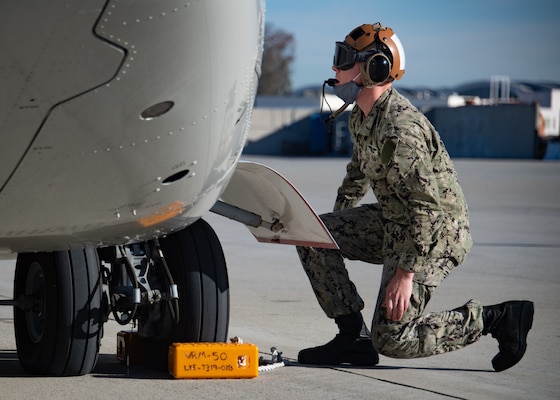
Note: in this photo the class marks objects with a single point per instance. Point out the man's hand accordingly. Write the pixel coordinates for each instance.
(397, 294)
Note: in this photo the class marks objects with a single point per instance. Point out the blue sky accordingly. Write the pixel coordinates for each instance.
(447, 43)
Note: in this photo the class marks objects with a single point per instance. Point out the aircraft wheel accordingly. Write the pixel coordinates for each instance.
(198, 266)
(59, 330)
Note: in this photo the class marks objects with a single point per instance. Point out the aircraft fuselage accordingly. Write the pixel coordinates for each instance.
(120, 121)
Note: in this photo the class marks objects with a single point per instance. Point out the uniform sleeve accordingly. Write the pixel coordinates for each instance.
(353, 188)
(416, 187)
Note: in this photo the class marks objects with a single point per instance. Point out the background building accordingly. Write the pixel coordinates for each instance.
(489, 119)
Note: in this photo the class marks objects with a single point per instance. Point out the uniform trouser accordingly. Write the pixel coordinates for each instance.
(359, 234)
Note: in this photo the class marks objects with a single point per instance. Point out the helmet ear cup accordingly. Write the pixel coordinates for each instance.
(376, 69)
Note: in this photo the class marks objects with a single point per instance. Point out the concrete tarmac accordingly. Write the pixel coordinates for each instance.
(515, 221)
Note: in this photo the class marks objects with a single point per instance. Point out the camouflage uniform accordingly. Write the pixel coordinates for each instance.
(420, 224)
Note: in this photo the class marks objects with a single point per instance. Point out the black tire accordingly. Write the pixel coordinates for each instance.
(198, 266)
(61, 334)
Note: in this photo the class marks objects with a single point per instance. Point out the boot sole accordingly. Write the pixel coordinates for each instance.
(359, 354)
(525, 324)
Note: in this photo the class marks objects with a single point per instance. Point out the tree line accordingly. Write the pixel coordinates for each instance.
(278, 56)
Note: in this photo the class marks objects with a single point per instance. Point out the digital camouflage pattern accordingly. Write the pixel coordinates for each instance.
(420, 224)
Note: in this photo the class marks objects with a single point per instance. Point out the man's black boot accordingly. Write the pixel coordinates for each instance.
(351, 346)
(510, 323)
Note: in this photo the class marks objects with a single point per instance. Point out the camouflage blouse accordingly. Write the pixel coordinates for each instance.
(399, 154)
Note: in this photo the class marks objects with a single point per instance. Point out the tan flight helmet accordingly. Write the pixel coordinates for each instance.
(380, 51)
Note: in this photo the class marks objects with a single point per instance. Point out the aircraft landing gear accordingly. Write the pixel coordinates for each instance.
(176, 288)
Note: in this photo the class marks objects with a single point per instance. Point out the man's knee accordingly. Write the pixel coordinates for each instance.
(396, 341)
